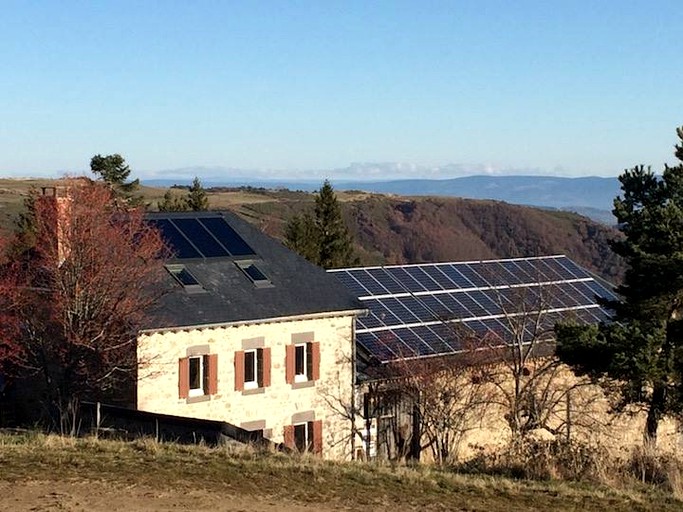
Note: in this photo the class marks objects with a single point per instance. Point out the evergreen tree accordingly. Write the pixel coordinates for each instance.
(172, 203)
(641, 352)
(334, 240)
(197, 200)
(114, 171)
(323, 239)
(301, 236)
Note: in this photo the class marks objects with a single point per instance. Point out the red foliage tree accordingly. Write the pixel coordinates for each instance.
(72, 305)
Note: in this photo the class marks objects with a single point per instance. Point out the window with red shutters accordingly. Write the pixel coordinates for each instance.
(252, 369)
(305, 437)
(197, 375)
(302, 362)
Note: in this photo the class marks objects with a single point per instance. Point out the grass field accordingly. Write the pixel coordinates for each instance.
(54, 473)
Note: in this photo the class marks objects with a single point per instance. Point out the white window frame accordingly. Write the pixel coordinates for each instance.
(251, 384)
(200, 391)
(307, 436)
(301, 377)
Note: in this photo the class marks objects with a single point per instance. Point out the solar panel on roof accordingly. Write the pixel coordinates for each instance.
(371, 284)
(439, 277)
(560, 271)
(423, 278)
(527, 271)
(227, 236)
(471, 272)
(420, 310)
(351, 283)
(389, 284)
(200, 237)
(515, 273)
(494, 273)
(180, 246)
(405, 280)
(404, 314)
(458, 279)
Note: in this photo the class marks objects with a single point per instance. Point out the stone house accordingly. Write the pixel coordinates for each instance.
(248, 333)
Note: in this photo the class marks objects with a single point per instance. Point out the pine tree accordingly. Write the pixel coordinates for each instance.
(324, 238)
(172, 203)
(641, 352)
(197, 200)
(301, 237)
(114, 171)
(334, 240)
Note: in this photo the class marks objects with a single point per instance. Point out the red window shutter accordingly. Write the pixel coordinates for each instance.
(239, 370)
(266, 367)
(315, 360)
(317, 436)
(183, 377)
(289, 366)
(212, 388)
(289, 436)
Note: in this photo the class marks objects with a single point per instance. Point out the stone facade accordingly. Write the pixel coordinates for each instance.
(568, 406)
(271, 408)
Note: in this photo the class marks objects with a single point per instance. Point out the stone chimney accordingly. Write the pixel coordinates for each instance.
(57, 202)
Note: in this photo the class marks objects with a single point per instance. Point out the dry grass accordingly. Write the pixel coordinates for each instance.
(228, 470)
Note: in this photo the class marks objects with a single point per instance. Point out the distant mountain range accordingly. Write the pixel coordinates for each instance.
(590, 196)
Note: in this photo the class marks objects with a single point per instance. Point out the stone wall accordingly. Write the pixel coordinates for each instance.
(269, 408)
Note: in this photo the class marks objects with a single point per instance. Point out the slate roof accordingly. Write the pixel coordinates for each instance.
(227, 295)
(426, 310)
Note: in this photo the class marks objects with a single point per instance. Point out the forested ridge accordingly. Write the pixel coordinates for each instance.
(391, 229)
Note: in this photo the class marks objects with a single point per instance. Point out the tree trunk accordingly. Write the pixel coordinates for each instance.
(654, 414)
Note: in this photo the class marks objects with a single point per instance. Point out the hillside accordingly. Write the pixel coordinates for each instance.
(54, 473)
(392, 229)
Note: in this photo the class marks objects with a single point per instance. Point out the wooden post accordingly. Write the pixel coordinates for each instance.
(569, 415)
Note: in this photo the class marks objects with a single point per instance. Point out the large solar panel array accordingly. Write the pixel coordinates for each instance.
(429, 309)
(202, 237)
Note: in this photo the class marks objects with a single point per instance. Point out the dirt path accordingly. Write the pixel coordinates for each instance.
(96, 496)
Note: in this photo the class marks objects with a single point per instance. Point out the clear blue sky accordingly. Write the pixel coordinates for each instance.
(560, 87)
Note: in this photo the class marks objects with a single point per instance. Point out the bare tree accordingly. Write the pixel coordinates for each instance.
(74, 302)
(531, 385)
(427, 403)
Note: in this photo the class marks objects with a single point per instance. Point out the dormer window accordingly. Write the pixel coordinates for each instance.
(184, 278)
(254, 274)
